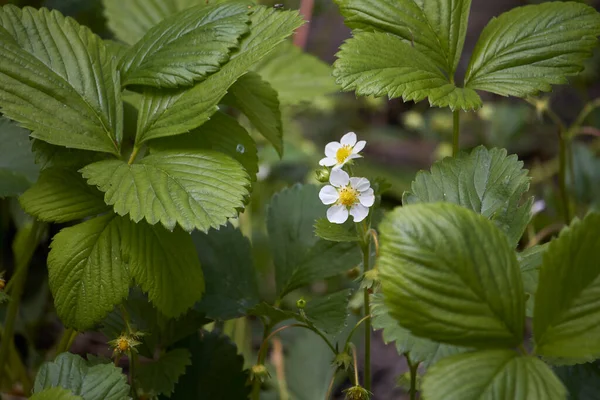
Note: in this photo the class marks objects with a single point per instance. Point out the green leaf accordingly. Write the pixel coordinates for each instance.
(164, 264)
(435, 28)
(530, 261)
(490, 375)
(567, 304)
(420, 350)
(448, 274)
(582, 381)
(217, 371)
(378, 64)
(186, 47)
(336, 232)
(528, 49)
(62, 195)
(169, 113)
(87, 273)
(48, 155)
(195, 189)
(220, 133)
(56, 393)
(486, 181)
(259, 102)
(42, 85)
(160, 376)
(296, 76)
(299, 256)
(586, 175)
(17, 167)
(97, 382)
(329, 312)
(226, 258)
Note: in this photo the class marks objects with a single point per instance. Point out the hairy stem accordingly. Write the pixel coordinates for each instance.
(456, 133)
(366, 260)
(413, 377)
(23, 253)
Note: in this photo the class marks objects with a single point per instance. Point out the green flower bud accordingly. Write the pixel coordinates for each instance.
(323, 175)
(301, 303)
(259, 372)
(342, 361)
(357, 393)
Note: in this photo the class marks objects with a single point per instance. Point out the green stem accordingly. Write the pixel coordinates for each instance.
(366, 260)
(262, 354)
(132, 364)
(562, 174)
(15, 368)
(354, 330)
(23, 253)
(133, 155)
(66, 341)
(413, 377)
(456, 133)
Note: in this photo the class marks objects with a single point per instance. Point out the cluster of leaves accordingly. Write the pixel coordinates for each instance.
(411, 49)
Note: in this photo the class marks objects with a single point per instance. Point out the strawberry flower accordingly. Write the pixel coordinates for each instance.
(339, 153)
(348, 195)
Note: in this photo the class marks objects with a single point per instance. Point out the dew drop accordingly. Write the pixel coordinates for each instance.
(240, 148)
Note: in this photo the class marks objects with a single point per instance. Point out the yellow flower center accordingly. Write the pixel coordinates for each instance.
(123, 344)
(343, 153)
(348, 196)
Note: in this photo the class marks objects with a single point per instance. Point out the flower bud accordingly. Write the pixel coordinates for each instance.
(323, 175)
(342, 361)
(301, 303)
(357, 393)
(259, 372)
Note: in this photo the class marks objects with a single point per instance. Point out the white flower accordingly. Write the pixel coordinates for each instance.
(348, 195)
(339, 153)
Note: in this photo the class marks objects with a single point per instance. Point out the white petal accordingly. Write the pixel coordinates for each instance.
(359, 146)
(331, 149)
(367, 198)
(339, 177)
(327, 161)
(329, 194)
(349, 139)
(360, 184)
(337, 214)
(359, 212)
(352, 156)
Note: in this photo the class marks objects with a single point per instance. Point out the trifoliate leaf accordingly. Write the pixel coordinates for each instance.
(486, 181)
(42, 85)
(296, 76)
(195, 189)
(160, 376)
(217, 371)
(530, 261)
(330, 312)
(435, 28)
(226, 258)
(186, 47)
(490, 375)
(450, 275)
(56, 393)
(17, 167)
(582, 381)
(300, 257)
(528, 49)
(567, 306)
(420, 350)
(378, 64)
(97, 382)
(336, 232)
(87, 273)
(164, 264)
(220, 133)
(62, 195)
(169, 113)
(259, 102)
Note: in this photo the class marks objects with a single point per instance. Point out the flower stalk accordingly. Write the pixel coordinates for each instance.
(456, 133)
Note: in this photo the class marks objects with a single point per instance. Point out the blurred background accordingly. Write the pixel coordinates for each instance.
(401, 140)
